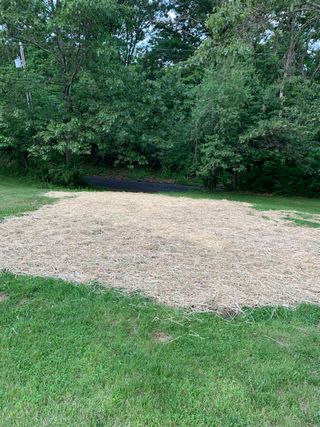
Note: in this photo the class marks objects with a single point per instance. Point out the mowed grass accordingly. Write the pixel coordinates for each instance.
(18, 196)
(83, 356)
(86, 356)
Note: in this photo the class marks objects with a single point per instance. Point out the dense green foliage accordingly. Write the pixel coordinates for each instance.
(224, 90)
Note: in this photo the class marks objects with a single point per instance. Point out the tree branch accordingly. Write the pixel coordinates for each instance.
(312, 4)
(32, 42)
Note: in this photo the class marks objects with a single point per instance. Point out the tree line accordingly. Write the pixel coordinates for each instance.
(223, 90)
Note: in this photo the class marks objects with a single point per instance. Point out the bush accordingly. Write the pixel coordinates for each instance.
(281, 179)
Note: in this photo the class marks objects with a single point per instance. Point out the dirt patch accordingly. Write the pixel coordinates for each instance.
(3, 297)
(204, 254)
(162, 337)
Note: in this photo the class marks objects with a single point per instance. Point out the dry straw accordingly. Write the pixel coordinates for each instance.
(203, 254)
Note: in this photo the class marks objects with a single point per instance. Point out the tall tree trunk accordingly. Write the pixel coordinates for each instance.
(68, 155)
(290, 55)
(69, 106)
(235, 180)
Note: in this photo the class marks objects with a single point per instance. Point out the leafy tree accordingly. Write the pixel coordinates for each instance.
(246, 116)
(62, 39)
(227, 90)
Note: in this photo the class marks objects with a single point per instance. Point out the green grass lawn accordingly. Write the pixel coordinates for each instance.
(85, 356)
(18, 196)
(77, 355)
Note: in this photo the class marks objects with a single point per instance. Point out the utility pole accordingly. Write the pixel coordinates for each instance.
(23, 58)
(21, 63)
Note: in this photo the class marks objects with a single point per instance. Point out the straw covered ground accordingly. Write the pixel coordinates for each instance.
(204, 254)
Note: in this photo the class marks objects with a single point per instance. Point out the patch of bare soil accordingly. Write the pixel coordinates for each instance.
(3, 297)
(203, 254)
(162, 337)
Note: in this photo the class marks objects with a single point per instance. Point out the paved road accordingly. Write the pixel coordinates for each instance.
(136, 186)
